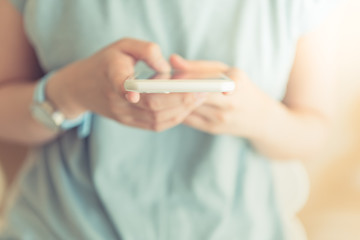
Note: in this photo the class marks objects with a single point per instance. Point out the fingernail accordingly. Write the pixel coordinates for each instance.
(127, 96)
(227, 93)
(132, 97)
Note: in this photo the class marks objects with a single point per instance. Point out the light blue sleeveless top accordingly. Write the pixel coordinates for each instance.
(126, 183)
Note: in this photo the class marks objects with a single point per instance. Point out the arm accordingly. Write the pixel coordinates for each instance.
(300, 126)
(94, 84)
(294, 128)
(18, 70)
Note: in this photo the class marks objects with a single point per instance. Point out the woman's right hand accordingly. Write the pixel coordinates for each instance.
(96, 84)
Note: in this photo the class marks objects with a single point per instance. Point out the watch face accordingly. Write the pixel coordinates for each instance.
(43, 113)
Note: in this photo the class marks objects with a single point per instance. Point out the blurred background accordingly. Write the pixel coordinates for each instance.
(333, 208)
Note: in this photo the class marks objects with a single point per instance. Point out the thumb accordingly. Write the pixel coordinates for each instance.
(179, 63)
(205, 66)
(237, 76)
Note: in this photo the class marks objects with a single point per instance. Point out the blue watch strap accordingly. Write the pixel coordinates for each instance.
(39, 94)
(83, 122)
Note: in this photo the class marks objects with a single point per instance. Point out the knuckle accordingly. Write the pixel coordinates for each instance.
(153, 104)
(151, 48)
(222, 117)
(174, 121)
(147, 103)
(155, 116)
(127, 119)
(177, 120)
(118, 117)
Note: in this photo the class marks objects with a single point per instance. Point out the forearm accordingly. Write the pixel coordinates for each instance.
(16, 122)
(290, 134)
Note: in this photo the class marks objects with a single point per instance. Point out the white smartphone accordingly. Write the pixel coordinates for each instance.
(152, 82)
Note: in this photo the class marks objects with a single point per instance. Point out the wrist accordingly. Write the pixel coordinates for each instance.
(60, 92)
(265, 114)
(272, 116)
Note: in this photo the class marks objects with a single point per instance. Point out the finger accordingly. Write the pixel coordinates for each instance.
(194, 75)
(137, 124)
(181, 64)
(159, 101)
(129, 111)
(142, 115)
(133, 50)
(120, 67)
(160, 123)
(161, 75)
(219, 101)
(208, 113)
(237, 76)
(132, 97)
(178, 118)
(140, 118)
(169, 114)
(146, 51)
(198, 122)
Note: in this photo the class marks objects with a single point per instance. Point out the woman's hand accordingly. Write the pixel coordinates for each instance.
(236, 113)
(295, 128)
(96, 84)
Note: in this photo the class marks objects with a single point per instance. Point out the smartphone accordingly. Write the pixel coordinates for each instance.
(175, 81)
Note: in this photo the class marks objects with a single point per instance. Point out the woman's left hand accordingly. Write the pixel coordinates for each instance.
(236, 113)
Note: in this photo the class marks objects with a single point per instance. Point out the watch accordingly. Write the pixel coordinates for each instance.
(45, 113)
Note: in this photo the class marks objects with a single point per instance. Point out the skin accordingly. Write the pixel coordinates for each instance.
(293, 128)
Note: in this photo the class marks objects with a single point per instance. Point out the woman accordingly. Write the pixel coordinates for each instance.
(173, 166)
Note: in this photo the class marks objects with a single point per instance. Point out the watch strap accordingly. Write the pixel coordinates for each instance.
(83, 122)
(39, 94)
